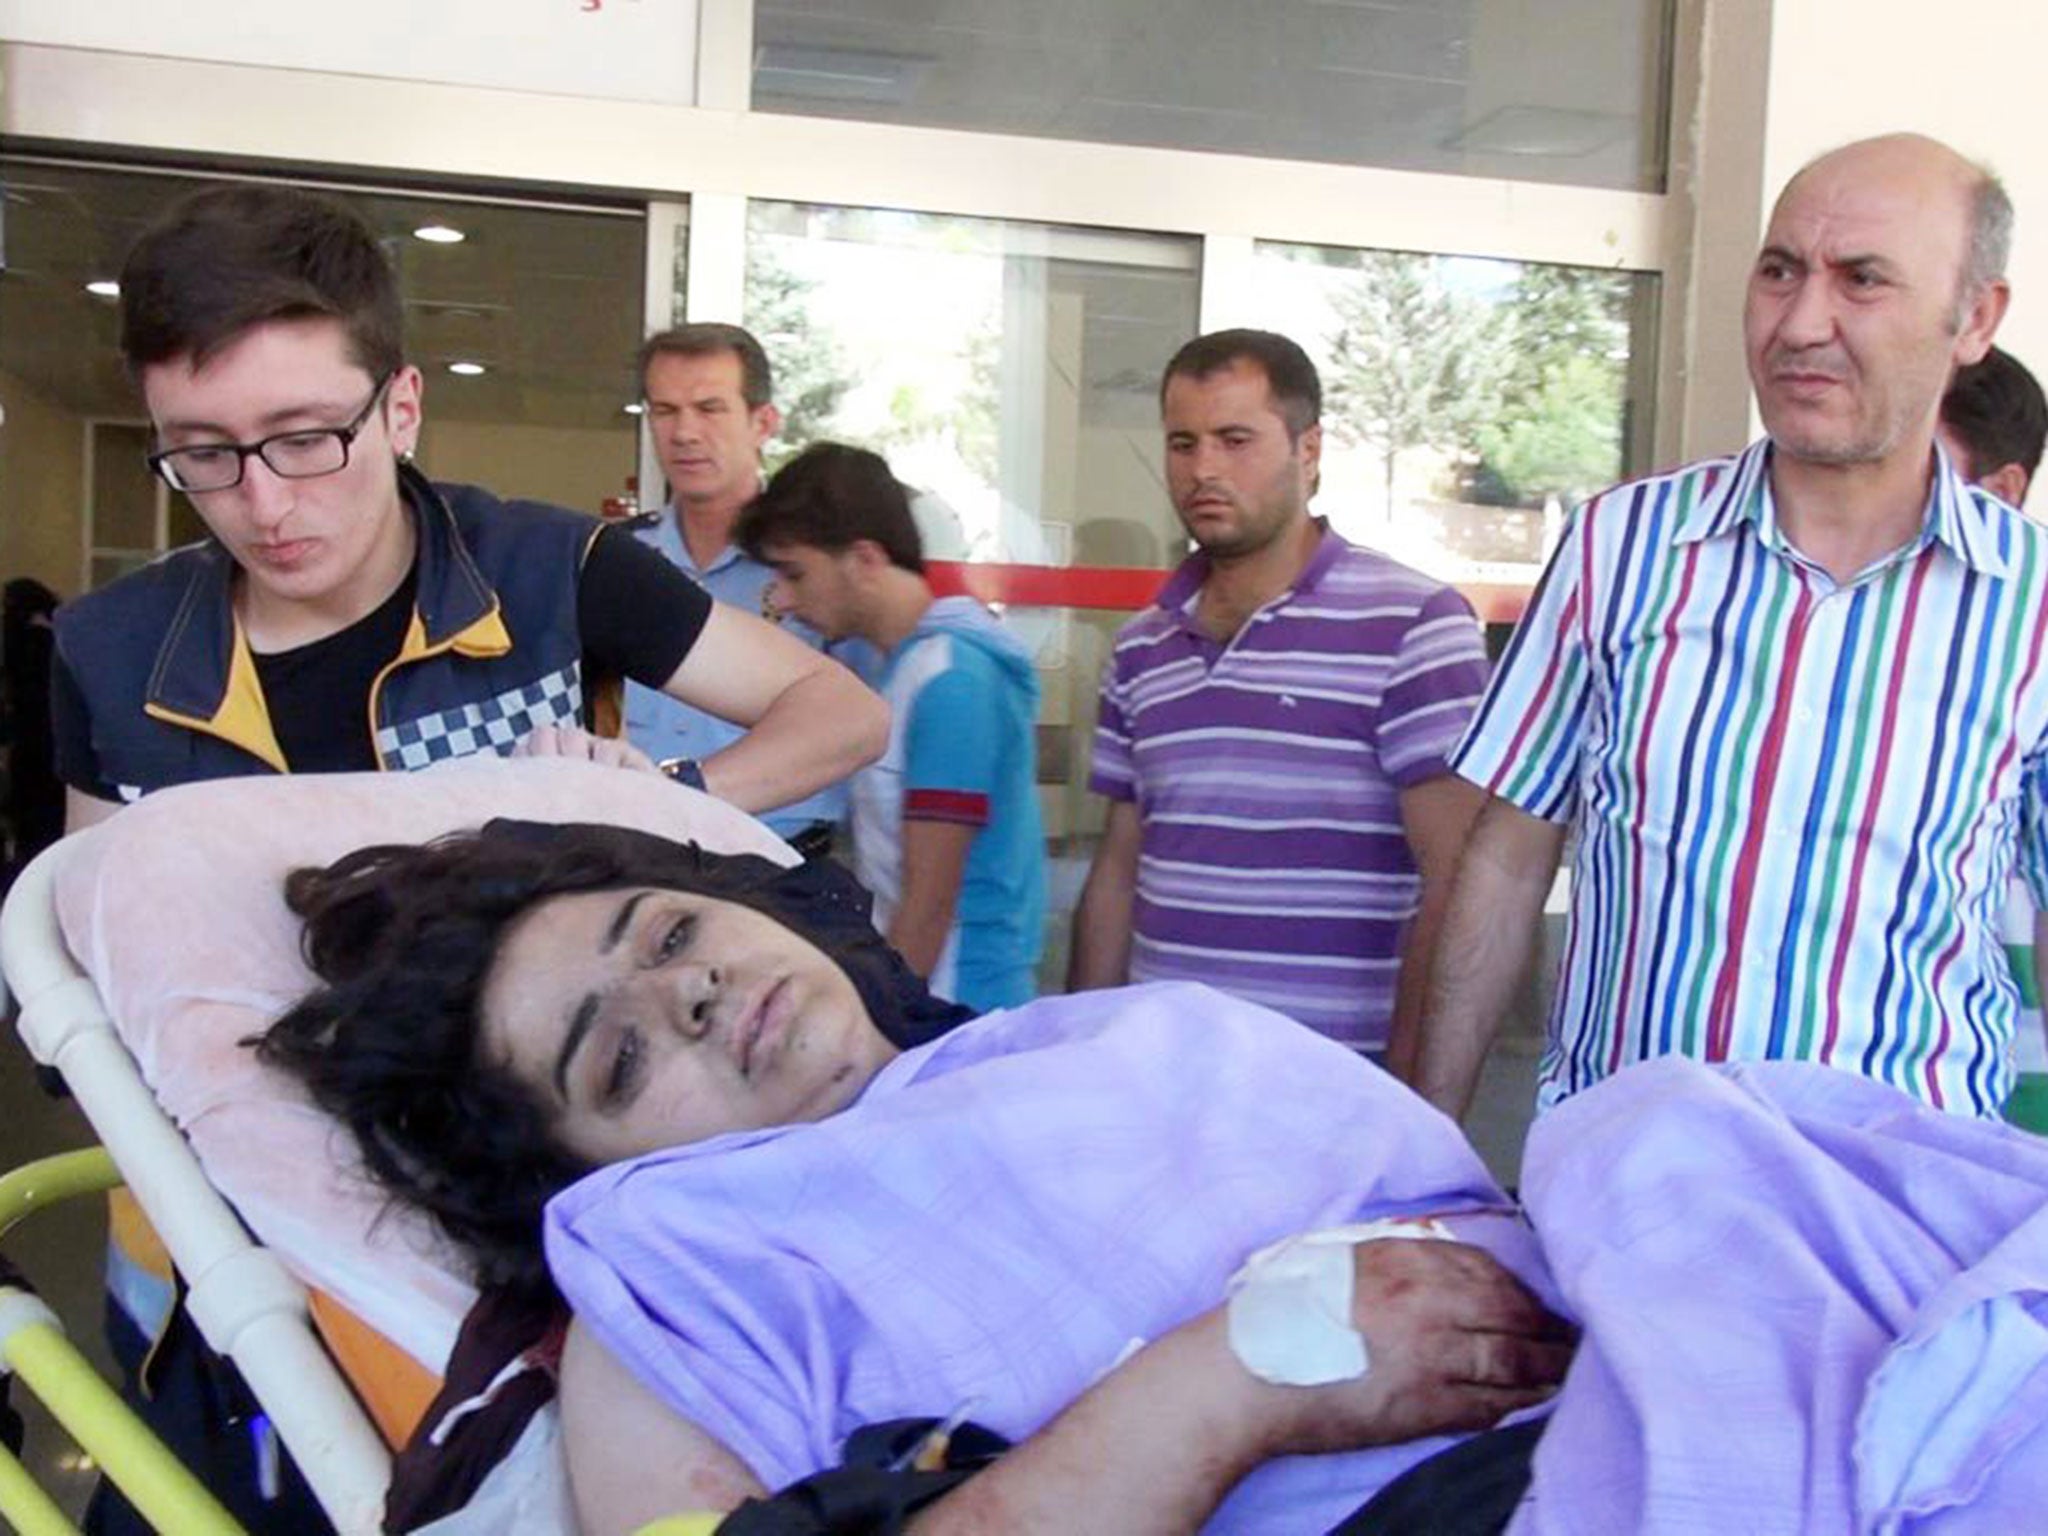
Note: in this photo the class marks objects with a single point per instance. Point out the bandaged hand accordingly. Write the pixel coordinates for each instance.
(570, 741)
(1454, 1342)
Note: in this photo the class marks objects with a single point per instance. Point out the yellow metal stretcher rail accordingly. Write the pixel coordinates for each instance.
(34, 1349)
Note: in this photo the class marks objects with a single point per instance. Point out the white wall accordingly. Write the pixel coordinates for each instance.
(631, 50)
(1968, 72)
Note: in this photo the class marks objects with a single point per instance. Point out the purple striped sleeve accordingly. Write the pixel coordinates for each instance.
(1111, 773)
(1436, 677)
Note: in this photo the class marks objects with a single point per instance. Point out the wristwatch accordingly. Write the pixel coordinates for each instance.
(683, 770)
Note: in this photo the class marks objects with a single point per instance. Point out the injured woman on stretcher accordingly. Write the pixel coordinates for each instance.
(787, 1194)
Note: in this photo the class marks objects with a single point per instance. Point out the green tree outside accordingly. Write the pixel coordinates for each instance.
(1562, 440)
(811, 373)
(1522, 390)
(1558, 431)
(1414, 363)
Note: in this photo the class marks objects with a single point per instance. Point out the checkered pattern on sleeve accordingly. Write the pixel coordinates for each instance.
(489, 725)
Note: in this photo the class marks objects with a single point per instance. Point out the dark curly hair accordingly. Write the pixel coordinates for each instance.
(403, 937)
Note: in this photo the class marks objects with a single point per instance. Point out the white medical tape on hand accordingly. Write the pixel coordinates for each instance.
(1289, 1307)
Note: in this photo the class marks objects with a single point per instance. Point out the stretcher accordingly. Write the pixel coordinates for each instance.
(214, 1149)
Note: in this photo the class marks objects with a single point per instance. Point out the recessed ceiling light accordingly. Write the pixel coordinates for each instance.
(467, 370)
(104, 288)
(439, 234)
(635, 408)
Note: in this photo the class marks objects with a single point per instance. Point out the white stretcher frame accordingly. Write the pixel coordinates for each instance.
(247, 1306)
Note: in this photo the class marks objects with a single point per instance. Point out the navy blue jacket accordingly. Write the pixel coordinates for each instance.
(492, 651)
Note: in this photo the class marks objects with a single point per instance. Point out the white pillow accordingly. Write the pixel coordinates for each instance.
(175, 908)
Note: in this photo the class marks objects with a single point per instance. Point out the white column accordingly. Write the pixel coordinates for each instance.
(717, 282)
(668, 227)
(1229, 282)
(725, 55)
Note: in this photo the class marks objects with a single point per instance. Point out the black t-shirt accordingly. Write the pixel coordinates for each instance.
(316, 694)
(637, 616)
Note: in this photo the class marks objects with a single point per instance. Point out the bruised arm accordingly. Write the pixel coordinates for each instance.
(632, 1460)
(1455, 1342)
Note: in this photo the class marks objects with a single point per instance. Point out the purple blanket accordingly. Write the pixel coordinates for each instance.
(1811, 1305)
(999, 1219)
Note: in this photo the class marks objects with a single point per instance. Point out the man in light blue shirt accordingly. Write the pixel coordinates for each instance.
(946, 827)
(707, 389)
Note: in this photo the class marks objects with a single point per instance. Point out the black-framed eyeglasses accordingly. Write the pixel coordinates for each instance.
(302, 454)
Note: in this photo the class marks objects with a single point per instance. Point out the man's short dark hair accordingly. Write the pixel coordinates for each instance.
(1297, 391)
(222, 261)
(709, 339)
(830, 497)
(1996, 410)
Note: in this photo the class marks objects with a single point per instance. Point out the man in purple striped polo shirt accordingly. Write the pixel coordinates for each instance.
(1274, 729)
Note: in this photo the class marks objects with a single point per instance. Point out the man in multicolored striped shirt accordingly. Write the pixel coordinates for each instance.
(1274, 730)
(1794, 702)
